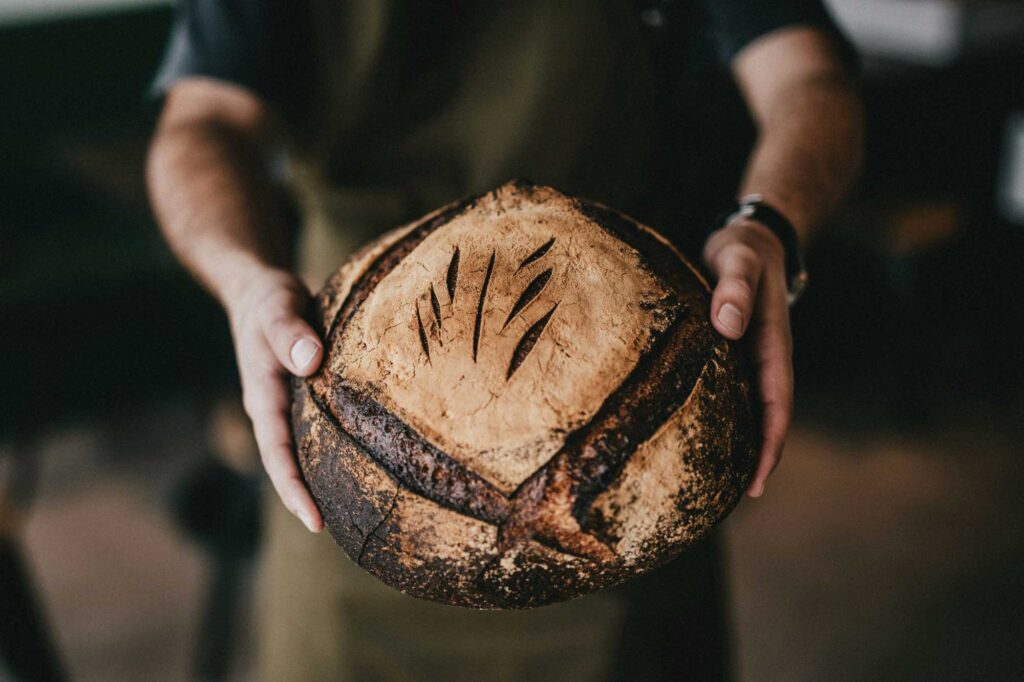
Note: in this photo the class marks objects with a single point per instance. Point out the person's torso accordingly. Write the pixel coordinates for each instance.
(418, 104)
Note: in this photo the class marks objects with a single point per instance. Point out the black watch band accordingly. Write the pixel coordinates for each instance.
(753, 207)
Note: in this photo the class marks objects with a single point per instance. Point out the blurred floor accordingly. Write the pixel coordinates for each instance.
(885, 557)
(877, 556)
(122, 585)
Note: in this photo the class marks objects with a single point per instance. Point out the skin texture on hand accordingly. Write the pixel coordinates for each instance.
(809, 118)
(749, 301)
(271, 342)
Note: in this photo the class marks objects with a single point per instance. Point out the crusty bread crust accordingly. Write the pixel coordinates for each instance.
(522, 401)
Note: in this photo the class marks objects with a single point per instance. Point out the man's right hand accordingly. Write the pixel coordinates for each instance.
(219, 209)
(271, 342)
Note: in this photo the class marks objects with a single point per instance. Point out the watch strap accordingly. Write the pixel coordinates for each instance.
(753, 207)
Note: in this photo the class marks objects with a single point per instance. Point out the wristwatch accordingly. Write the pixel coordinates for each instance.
(753, 207)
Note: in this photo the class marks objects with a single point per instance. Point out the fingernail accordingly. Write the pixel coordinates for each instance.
(307, 521)
(303, 351)
(756, 490)
(731, 318)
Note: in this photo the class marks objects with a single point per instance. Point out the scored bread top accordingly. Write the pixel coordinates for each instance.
(503, 330)
(522, 400)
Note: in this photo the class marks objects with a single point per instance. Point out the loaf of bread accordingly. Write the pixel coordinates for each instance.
(522, 400)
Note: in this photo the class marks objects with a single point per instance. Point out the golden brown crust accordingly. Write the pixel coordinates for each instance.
(461, 377)
(522, 401)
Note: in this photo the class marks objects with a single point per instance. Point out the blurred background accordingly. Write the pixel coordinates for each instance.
(889, 544)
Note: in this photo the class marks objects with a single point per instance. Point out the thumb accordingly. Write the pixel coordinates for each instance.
(294, 343)
(732, 304)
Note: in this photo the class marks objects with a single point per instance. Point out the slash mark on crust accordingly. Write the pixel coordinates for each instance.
(480, 306)
(528, 341)
(452, 279)
(423, 333)
(531, 292)
(536, 255)
(435, 305)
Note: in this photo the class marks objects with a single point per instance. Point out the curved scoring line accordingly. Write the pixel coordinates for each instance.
(451, 279)
(495, 505)
(478, 322)
(594, 455)
(537, 254)
(664, 377)
(531, 292)
(424, 344)
(527, 342)
(663, 260)
(409, 458)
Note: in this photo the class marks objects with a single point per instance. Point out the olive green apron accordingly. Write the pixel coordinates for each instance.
(417, 106)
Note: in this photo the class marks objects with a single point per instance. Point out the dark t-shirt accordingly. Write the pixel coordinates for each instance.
(702, 133)
(264, 45)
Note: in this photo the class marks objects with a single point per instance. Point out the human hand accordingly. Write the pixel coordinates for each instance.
(748, 262)
(271, 342)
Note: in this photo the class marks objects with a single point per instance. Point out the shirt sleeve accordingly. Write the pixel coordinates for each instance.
(255, 44)
(736, 23)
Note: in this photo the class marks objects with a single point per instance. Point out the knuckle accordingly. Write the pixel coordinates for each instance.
(257, 406)
(268, 464)
(277, 452)
(713, 245)
(279, 323)
(271, 463)
(249, 405)
(739, 286)
(741, 256)
(276, 309)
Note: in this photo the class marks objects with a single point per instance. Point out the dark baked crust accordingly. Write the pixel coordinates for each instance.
(590, 516)
(410, 459)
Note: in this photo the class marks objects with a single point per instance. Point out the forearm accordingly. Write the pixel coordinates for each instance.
(808, 152)
(806, 158)
(809, 120)
(214, 203)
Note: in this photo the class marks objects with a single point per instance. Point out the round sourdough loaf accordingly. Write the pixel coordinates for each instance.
(522, 400)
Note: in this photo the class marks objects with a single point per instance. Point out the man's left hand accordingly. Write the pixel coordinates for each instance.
(749, 300)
